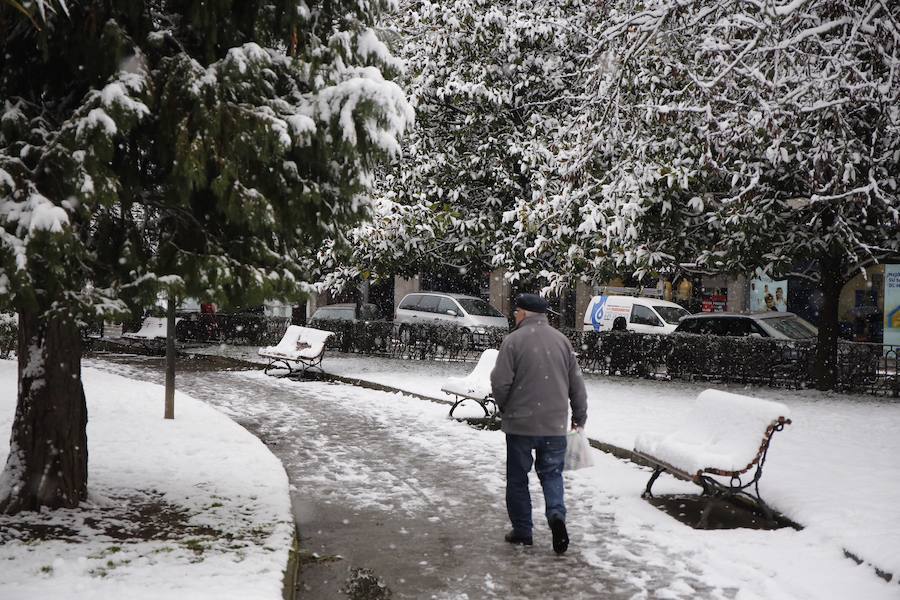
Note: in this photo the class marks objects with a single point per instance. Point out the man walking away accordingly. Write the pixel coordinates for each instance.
(535, 380)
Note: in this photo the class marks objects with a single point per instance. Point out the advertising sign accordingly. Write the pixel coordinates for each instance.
(714, 302)
(766, 294)
(892, 304)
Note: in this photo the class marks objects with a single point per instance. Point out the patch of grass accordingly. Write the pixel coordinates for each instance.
(195, 545)
(47, 570)
(106, 552)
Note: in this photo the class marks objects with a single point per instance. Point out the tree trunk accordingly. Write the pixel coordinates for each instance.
(826, 368)
(48, 458)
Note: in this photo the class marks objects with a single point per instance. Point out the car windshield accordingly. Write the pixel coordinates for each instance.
(793, 328)
(478, 308)
(671, 314)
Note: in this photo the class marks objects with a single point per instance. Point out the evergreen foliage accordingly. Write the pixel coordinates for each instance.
(192, 145)
(196, 148)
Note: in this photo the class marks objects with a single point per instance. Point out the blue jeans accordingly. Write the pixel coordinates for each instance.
(551, 454)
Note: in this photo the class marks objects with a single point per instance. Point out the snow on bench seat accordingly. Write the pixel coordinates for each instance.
(476, 385)
(302, 345)
(722, 432)
(151, 328)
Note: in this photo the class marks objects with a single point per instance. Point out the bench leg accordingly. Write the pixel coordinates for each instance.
(704, 516)
(459, 400)
(656, 473)
(493, 411)
(272, 364)
(766, 511)
(489, 413)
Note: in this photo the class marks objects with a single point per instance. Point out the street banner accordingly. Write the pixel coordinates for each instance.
(892, 304)
(766, 294)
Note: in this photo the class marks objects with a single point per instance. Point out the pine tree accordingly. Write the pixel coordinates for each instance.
(192, 147)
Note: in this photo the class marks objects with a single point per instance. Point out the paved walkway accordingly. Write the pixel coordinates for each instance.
(376, 486)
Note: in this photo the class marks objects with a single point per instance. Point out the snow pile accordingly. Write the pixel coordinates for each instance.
(217, 518)
(722, 431)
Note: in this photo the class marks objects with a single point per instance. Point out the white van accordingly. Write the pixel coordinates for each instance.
(469, 312)
(643, 315)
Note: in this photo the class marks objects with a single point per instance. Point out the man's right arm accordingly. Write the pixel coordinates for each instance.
(503, 374)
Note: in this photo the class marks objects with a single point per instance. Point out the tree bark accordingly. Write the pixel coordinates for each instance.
(826, 368)
(47, 464)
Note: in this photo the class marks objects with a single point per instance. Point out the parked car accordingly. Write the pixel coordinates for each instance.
(769, 324)
(643, 315)
(471, 313)
(346, 312)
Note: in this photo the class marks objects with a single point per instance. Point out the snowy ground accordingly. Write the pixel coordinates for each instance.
(195, 507)
(422, 495)
(835, 470)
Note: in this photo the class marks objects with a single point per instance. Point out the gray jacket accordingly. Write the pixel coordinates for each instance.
(535, 379)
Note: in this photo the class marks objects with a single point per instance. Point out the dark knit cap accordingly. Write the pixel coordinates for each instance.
(532, 303)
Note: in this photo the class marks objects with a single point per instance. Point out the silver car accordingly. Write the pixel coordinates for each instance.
(468, 312)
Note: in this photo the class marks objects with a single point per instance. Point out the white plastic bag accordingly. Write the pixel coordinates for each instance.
(578, 451)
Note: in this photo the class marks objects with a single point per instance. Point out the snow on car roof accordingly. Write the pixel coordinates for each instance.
(770, 314)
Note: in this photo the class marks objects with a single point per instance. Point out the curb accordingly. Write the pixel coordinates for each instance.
(292, 570)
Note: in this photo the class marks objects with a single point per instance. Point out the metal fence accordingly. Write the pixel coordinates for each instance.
(420, 341)
(238, 328)
(863, 368)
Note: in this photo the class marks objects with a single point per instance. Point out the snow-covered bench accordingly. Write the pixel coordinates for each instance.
(152, 334)
(152, 328)
(476, 385)
(722, 438)
(304, 346)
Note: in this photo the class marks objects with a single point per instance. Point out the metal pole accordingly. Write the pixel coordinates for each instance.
(170, 358)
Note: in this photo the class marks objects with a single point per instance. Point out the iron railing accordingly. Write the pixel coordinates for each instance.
(863, 368)
(237, 328)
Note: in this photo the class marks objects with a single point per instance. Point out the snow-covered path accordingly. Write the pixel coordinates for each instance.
(388, 483)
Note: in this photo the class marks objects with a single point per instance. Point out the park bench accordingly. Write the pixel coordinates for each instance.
(303, 346)
(721, 440)
(476, 385)
(152, 334)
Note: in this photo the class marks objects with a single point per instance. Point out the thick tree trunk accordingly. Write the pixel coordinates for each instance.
(826, 369)
(48, 459)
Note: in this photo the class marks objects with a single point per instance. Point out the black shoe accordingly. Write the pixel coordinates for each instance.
(560, 535)
(513, 538)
